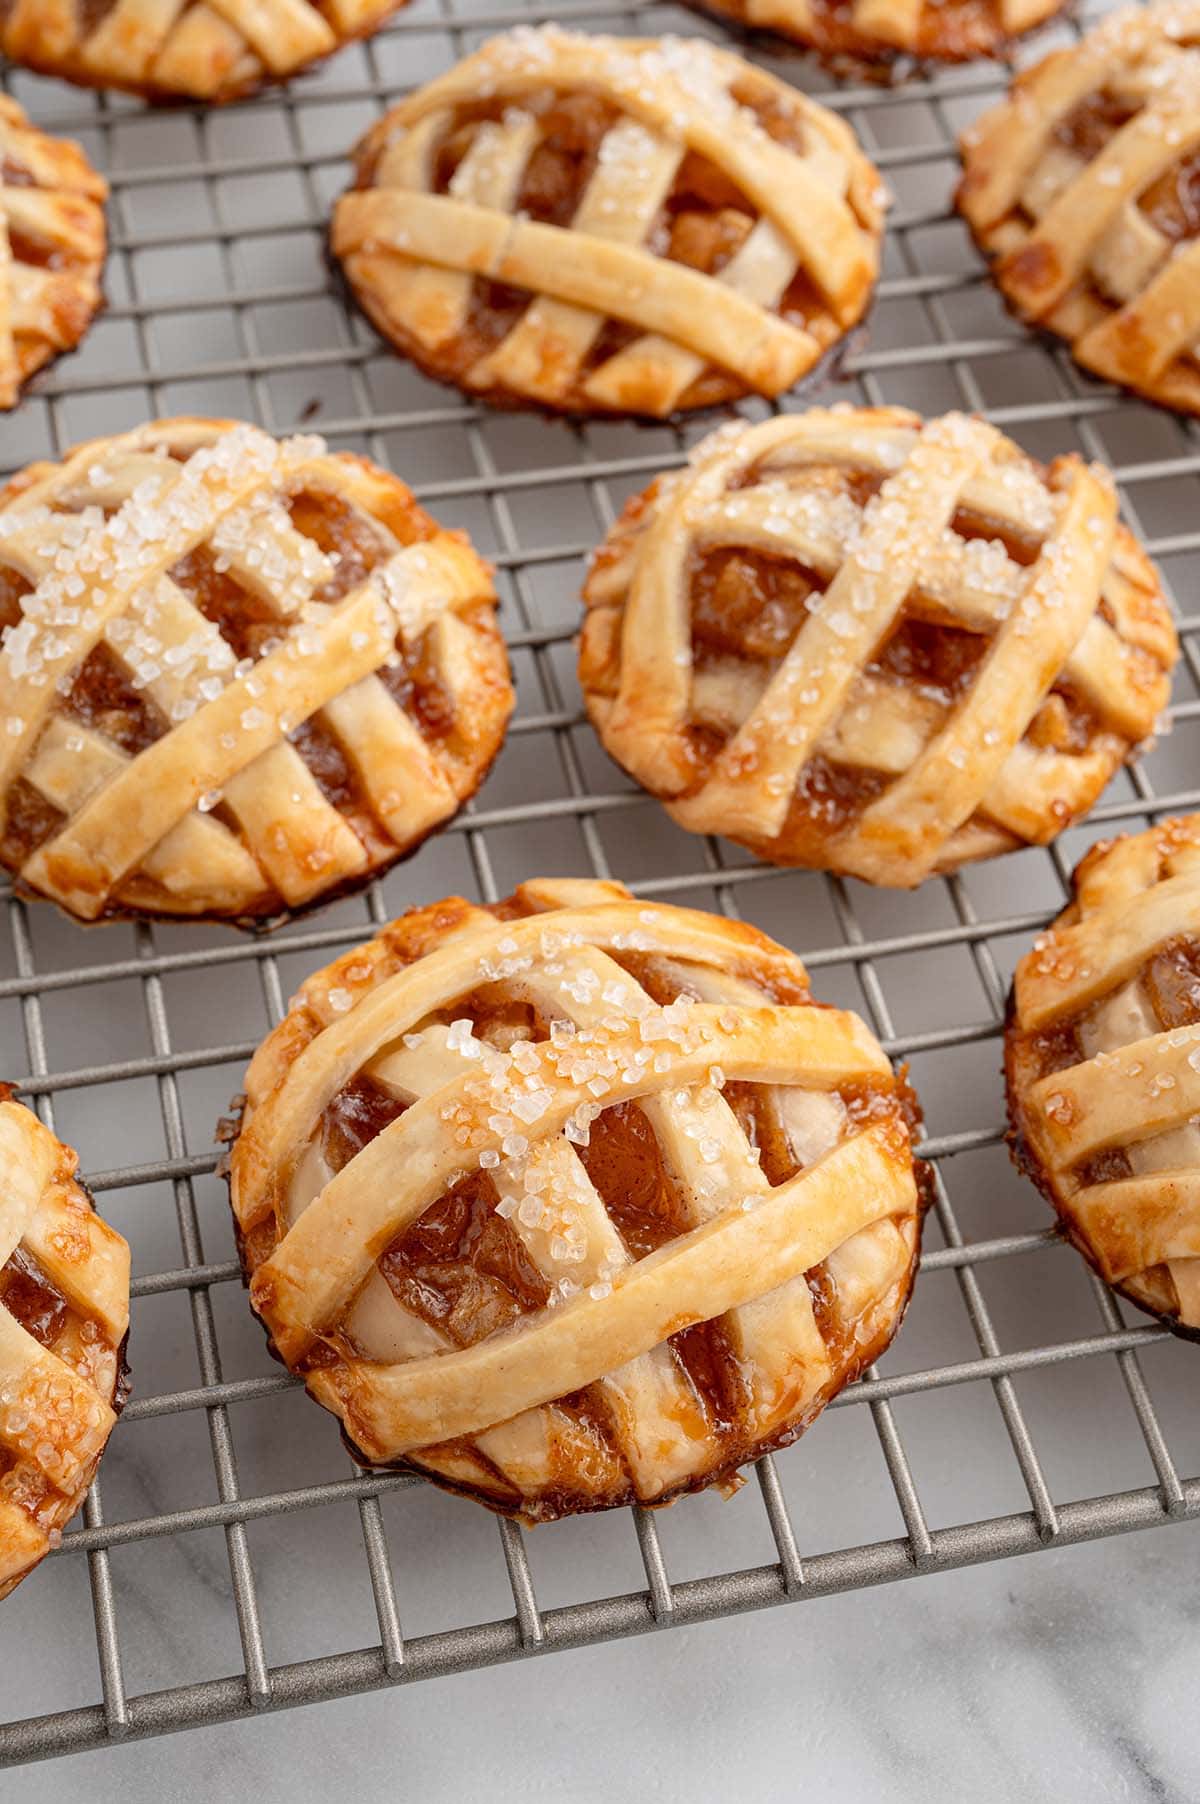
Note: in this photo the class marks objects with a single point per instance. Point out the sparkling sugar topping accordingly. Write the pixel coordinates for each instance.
(87, 562)
(691, 74)
(100, 559)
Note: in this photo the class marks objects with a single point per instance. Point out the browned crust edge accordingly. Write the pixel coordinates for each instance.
(227, 1131)
(122, 1380)
(638, 508)
(270, 918)
(27, 388)
(176, 98)
(826, 368)
(878, 64)
(1021, 1153)
(1047, 335)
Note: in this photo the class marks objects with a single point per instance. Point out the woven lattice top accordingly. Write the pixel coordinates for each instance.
(1104, 1066)
(207, 49)
(64, 1314)
(572, 1201)
(1085, 184)
(860, 642)
(236, 674)
(606, 224)
(52, 243)
(874, 31)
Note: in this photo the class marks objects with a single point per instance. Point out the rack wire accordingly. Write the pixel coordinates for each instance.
(1012, 1355)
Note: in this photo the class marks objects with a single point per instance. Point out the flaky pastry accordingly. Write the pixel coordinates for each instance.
(605, 225)
(64, 1316)
(572, 1202)
(1102, 1053)
(1084, 187)
(237, 675)
(52, 246)
(858, 641)
(214, 50)
(878, 33)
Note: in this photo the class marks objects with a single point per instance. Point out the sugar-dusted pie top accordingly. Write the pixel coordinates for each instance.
(862, 642)
(1084, 185)
(236, 674)
(1103, 1063)
(880, 31)
(213, 50)
(611, 225)
(52, 244)
(571, 1201)
(64, 1315)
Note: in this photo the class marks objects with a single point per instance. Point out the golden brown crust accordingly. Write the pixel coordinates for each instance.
(589, 1312)
(817, 641)
(1102, 1030)
(874, 39)
(52, 248)
(1083, 188)
(64, 1319)
(601, 225)
(192, 51)
(287, 675)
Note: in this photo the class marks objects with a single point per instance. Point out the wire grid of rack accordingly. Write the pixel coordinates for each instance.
(131, 1038)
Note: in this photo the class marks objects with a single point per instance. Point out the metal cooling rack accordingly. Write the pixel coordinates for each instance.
(222, 1481)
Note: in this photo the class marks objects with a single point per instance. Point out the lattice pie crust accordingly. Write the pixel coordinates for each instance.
(52, 245)
(64, 1315)
(237, 675)
(1084, 185)
(1103, 1062)
(607, 225)
(213, 50)
(857, 641)
(573, 1202)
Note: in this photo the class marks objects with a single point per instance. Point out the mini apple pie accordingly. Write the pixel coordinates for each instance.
(856, 641)
(213, 50)
(572, 1202)
(606, 225)
(1084, 186)
(64, 1316)
(52, 246)
(237, 675)
(1102, 1052)
(879, 32)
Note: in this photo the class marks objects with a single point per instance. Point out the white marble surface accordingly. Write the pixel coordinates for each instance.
(1067, 1676)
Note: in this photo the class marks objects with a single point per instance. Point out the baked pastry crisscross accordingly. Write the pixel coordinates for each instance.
(573, 1202)
(873, 32)
(213, 50)
(611, 225)
(1084, 186)
(64, 1316)
(52, 245)
(1102, 1053)
(236, 674)
(860, 642)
